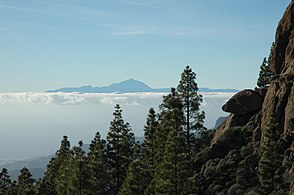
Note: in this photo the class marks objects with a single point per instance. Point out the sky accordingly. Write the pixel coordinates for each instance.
(49, 44)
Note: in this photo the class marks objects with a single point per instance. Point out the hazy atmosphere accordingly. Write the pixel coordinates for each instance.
(32, 124)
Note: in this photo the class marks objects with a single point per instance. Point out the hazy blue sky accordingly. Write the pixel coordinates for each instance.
(47, 44)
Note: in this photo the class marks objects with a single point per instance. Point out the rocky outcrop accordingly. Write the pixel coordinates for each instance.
(244, 103)
(279, 100)
(242, 106)
(259, 133)
(282, 60)
(232, 121)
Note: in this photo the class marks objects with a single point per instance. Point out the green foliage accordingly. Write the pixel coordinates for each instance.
(149, 147)
(120, 143)
(236, 189)
(265, 74)
(55, 180)
(25, 182)
(202, 157)
(191, 100)
(270, 158)
(5, 181)
(77, 179)
(151, 131)
(97, 168)
(170, 102)
(137, 179)
(174, 167)
(246, 172)
(230, 160)
(232, 138)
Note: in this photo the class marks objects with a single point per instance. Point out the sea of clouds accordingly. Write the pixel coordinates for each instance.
(32, 124)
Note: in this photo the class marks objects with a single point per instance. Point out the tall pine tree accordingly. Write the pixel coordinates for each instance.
(120, 143)
(76, 181)
(172, 171)
(191, 100)
(56, 176)
(141, 169)
(169, 101)
(149, 147)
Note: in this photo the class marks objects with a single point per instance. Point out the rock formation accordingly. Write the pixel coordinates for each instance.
(244, 103)
(254, 112)
(242, 107)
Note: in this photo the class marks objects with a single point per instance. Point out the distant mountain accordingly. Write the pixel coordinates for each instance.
(218, 90)
(37, 165)
(128, 86)
(220, 121)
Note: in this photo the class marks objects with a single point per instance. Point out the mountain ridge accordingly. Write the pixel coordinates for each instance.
(37, 165)
(127, 86)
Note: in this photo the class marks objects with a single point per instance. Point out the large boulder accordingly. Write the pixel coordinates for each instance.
(244, 102)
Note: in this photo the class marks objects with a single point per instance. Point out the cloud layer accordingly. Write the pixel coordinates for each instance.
(134, 99)
(43, 118)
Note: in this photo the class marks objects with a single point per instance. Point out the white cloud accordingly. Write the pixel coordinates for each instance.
(34, 116)
(148, 98)
(77, 98)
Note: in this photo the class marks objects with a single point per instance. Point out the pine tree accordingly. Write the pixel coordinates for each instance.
(76, 181)
(5, 181)
(270, 158)
(265, 74)
(141, 169)
(57, 172)
(169, 101)
(25, 182)
(149, 148)
(191, 100)
(172, 171)
(97, 168)
(120, 143)
(160, 139)
(63, 160)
